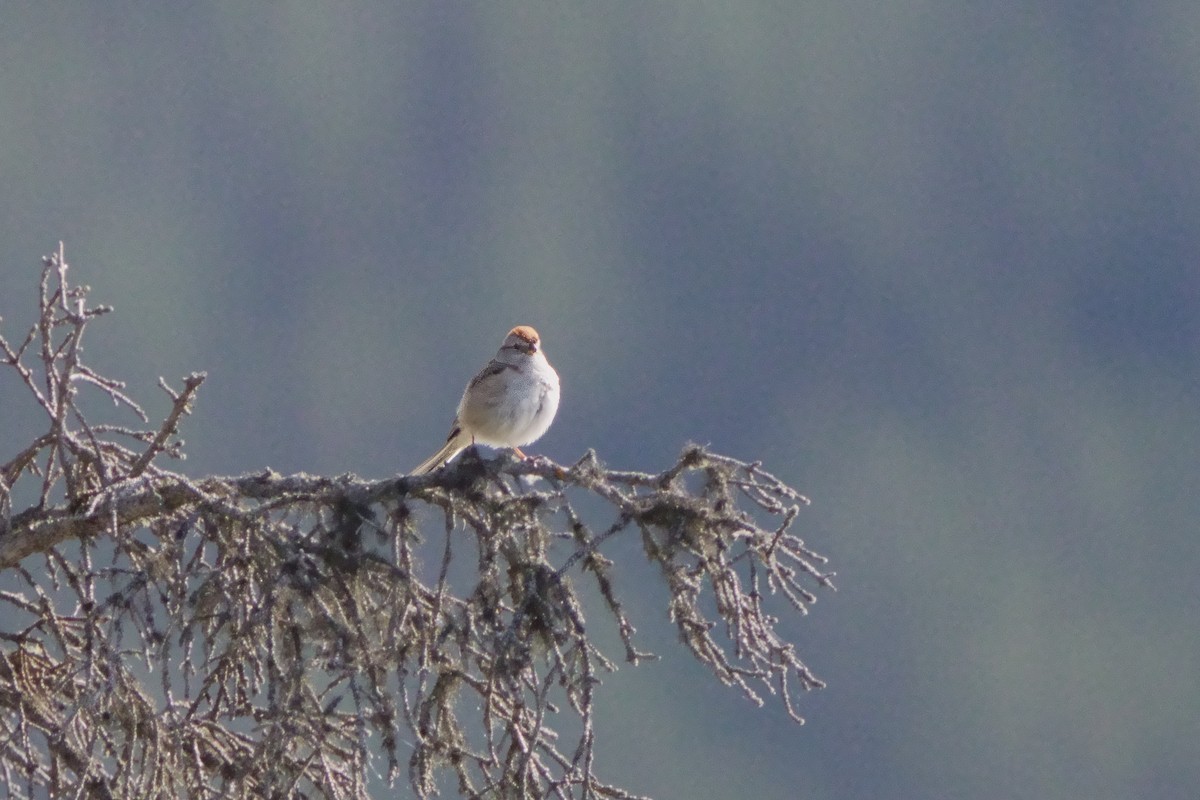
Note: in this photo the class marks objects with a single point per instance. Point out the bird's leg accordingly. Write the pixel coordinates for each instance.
(520, 455)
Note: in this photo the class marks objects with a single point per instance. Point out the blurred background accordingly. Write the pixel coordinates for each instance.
(936, 264)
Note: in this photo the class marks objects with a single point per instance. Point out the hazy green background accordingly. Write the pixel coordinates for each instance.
(936, 263)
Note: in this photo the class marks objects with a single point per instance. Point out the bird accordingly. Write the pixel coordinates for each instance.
(510, 403)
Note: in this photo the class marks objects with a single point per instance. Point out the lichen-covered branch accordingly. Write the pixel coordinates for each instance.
(278, 636)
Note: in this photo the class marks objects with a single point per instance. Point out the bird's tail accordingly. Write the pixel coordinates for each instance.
(455, 444)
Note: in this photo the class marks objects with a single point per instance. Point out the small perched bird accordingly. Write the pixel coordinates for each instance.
(511, 402)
